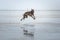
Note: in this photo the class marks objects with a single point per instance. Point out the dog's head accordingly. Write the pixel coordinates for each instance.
(32, 10)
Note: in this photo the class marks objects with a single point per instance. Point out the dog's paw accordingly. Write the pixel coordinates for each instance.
(21, 20)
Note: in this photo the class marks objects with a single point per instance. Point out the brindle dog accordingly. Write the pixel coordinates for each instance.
(29, 13)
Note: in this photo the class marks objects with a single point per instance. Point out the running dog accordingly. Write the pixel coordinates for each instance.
(28, 13)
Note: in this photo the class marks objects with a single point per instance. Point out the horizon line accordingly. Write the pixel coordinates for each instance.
(26, 10)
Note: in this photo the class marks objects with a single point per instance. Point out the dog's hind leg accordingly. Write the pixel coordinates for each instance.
(24, 16)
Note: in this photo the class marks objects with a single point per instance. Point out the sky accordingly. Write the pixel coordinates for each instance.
(29, 4)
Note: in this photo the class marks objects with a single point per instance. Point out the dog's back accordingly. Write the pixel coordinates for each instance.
(29, 13)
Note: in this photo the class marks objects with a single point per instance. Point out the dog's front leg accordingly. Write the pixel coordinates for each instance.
(33, 17)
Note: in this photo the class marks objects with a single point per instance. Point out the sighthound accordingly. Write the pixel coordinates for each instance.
(28, 13)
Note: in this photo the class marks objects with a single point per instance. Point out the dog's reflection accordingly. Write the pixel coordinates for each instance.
(26, 32)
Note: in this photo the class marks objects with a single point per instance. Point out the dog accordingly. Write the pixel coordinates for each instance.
(28, 13)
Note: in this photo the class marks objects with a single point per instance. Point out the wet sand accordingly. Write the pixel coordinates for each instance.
(41, 31)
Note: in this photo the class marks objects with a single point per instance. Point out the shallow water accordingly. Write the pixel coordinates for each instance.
(42, 31)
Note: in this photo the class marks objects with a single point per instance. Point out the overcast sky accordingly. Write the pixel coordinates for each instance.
(28, 4)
